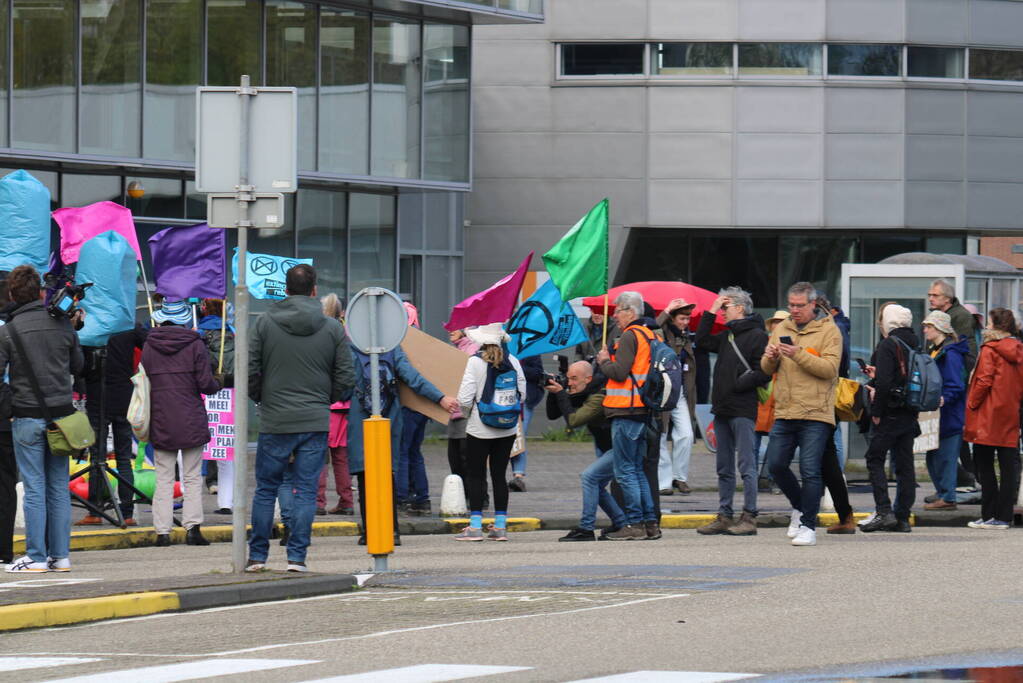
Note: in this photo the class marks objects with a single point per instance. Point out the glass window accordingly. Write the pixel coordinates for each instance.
(602, 59)
(446, 102)
(652, 254)
(371, 226)
(395, 126)
(195, 202)
(323, 238)
(946, 245)
(935, 62)
(693, 59)
(291, 61)
(877, 248)
(44, 75)
(752, 262)
(813, 259)
(111, 96)
(233, 41)
(864, 60)
(3, 74)
(162, 198)
(1001, 293)
(779, 59)
(344, 92)
(173, 70)
(996, 65)
(437, 223)
(82, 190)
(531, 6)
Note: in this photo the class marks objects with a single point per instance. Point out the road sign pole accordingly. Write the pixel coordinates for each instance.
(377, 451)
(241, 357)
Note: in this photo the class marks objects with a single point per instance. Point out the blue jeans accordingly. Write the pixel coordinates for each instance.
(286, 498)
(518, 462)
(943, 466)
(735, 440)
(595, 479)
(810, 436)
(628, 446)
(273, 453)
(410, 459)
(47, 499)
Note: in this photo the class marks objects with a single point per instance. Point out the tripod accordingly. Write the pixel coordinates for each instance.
(98, 469)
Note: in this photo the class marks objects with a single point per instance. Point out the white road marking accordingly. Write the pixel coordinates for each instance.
(188, 671)
(21, 663)
(669, 677)
(424, 673)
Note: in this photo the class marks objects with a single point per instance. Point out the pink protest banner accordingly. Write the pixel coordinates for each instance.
(79, 225)
(220, 414)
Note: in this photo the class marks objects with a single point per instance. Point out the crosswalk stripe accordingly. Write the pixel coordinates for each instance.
(669, 677)
(20, 663)
(187, 671)
(424, 673)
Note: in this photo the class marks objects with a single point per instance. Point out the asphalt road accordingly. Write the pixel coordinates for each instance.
(539, 610)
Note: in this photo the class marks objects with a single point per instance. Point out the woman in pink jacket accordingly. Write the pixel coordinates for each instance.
(337, 438)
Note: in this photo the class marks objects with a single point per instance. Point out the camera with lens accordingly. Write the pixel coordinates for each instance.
(562, 376)
(65, 296)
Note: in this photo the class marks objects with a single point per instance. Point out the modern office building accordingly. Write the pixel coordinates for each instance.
(752, 142)
(99, 94)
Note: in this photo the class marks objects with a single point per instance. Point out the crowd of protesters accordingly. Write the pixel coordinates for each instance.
(776, 380)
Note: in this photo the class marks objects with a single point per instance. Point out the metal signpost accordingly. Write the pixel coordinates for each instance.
(246, 148)
(376, 321)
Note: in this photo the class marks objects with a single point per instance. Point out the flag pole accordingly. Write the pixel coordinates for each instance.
(223, 333)
(605, 321)
(607, 279)
(145, 285)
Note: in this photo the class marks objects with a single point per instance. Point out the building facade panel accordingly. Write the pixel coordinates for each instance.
(866, 110)
(864, 156)
(513, 155)
(695, 108)
(597, 155)
(861, 203)
(996, 22)
(936, 111)
(995, 113)
(878, 20)
(934, 204)
(525, 109)
(690, 155)
(935, 157)
(513, 62)
(693, 19)
(777, 203)
(599, 110)
(781, 19)
(778, 110)
(994, 159)
(689, 202)
(778, 156)
(597, 19)
(994, 205)
(937, 21)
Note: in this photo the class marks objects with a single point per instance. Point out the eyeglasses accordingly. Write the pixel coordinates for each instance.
(792, 305)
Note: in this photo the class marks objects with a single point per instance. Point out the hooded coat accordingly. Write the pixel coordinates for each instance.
(804, 386)
(951, 360)
(733, 393)
(996, 388)
(179, 373)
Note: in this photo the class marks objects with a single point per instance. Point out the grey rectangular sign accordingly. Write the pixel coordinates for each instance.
(266, 212)
(273, 139)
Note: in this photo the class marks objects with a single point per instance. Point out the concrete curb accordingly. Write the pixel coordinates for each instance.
(65, 612)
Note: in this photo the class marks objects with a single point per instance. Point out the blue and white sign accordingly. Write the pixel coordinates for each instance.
(265, 273)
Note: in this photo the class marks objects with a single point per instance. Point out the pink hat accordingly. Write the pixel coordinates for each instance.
(413, 314)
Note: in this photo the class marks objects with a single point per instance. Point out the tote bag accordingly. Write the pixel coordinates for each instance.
(138, 407)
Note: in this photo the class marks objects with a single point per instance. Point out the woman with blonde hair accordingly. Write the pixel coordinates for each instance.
(337, 438)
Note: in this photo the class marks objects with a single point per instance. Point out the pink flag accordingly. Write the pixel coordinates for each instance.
(493, 305)
(79, 225)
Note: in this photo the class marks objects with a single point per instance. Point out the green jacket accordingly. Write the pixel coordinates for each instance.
(299, 364)
(964, 325)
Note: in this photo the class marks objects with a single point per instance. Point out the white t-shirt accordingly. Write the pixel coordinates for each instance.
(473, 382)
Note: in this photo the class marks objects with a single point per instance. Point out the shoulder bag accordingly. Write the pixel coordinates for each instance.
(67, 436)
(763, 393)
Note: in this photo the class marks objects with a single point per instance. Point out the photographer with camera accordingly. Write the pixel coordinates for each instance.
(51, 357)
(583, 406)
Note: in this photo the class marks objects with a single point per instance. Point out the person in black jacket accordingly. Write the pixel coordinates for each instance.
(734, 403)
(8, 465)
(532, 368)
(895, 424)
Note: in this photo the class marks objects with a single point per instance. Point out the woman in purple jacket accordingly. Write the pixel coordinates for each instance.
(178, 366)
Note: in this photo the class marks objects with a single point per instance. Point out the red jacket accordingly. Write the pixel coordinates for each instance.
(996, 389)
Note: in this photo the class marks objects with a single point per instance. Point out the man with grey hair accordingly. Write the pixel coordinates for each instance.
(737, 375)
(626, 368)
(941, 296)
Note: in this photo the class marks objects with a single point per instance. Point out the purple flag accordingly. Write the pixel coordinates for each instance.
(189, 261)
(493, 305)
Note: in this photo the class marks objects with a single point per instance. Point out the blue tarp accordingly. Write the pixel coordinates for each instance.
(108, 262)
(24, 222)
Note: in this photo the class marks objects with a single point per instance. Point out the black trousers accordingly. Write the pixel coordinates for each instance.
(457, 456)
(8, 495)
(122, 449)
(831, 473)
(997, 498)
(895, 433)
(360, 479)
(478, 452)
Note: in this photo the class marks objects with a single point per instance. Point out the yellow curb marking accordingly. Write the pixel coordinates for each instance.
(59, 612)
(514, 523)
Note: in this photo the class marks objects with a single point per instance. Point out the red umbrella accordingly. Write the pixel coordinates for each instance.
(659, 294)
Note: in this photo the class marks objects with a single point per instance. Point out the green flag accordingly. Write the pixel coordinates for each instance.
(578, 262)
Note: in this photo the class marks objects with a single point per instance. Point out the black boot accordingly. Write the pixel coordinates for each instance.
(885, 522)
(162, 540)
(285, 534)
(194, 537)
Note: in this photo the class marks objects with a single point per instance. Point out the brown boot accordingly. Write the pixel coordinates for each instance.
(846, 525)
(720, 524)
(746, 526)
(653, 530)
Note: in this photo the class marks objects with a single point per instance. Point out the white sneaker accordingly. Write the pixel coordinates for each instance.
(866, 520)
(61, 565)
(298, 567)
(26, 565)
(806, 536)
(795, 523)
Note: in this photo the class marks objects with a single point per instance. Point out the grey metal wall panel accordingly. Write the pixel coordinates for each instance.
(690, 202)
(779, 110)
(937, 21)
(862, 156)
(599, 109)
(995, 113)
(551, 201)
(781, 19)
(512, 155)
(866, 20)
(596, 155)
(863, 203)
(996, 22)
(692, 108)
(693, 19)
(598, 19)
(994, 159)
(935, 157)
(778, 156)
(935, 111)
(995, 205)
(501, 109)
(512, 62)
(690, 155)
(777, 203)
(865, 110)
(935, 205)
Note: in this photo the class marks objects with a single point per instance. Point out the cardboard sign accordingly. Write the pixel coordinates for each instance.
(930, 423)
(437, 361)
(220, 415)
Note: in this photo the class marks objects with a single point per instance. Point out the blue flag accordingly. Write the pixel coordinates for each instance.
(264, 273)
(544, 323)
(108, 262)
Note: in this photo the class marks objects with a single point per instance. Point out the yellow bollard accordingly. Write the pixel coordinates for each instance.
(376, 442)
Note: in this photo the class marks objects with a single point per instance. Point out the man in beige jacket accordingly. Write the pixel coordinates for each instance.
(804, 351)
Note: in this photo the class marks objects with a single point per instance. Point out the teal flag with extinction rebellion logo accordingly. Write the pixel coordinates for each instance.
(264, 273)
(544, 323)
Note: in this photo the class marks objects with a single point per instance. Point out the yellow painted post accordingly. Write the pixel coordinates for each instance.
(376, 441)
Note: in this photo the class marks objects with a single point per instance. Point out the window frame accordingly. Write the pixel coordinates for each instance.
(776, 77)
(651, 57)
(559, 74)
